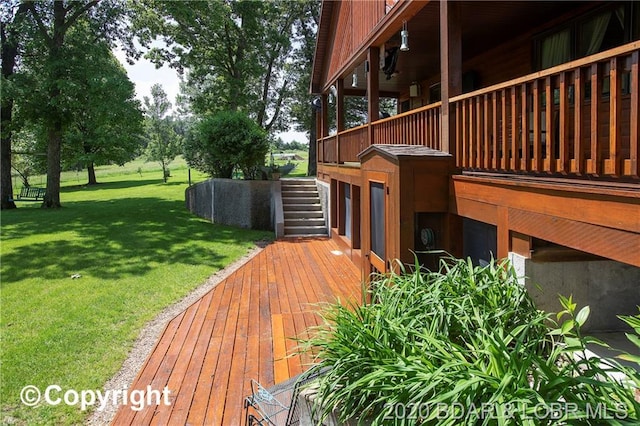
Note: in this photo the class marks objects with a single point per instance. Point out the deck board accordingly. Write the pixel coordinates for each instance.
(241, 330)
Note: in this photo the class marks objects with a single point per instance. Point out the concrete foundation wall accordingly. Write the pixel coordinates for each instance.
(324, 192)
(241, 203)
(609, 288)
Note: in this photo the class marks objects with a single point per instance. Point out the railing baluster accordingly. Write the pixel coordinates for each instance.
(596, 90)
(634, 131)
(505, 120)
(615, 110)
(577, 165)
(562, 164)
(486, 142)
(515, 161)
(524, 129)
(479, 132)
(537, 128)
(495, 131)
(549, 159)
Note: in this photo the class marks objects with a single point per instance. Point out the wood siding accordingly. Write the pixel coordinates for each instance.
(354, 22)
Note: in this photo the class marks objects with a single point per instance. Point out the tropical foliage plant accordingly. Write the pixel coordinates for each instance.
(464, 345)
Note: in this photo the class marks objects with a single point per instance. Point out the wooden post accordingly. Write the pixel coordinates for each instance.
(325, 116)
(340, 114)
(450, 68)
(373, 88)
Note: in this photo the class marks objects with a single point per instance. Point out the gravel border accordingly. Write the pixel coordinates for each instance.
(151, 332)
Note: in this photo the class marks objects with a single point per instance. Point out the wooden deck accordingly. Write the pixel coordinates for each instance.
(241, 330)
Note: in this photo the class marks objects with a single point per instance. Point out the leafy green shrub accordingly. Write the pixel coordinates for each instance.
(219, 143)
(462, 346)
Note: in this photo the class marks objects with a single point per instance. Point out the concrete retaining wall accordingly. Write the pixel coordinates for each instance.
(241, 203)
(609, 288)
(324, 190)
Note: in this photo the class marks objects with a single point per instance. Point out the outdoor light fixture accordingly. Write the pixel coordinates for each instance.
(404, 35)
(354, 80)
(414, 90)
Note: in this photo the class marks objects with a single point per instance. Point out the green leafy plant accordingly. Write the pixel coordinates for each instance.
(464, 345)
(219, 143)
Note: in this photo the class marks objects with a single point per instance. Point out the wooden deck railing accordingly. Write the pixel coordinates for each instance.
(577, 118)
(417, 127)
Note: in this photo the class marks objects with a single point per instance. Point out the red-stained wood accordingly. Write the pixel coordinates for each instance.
(243, 329)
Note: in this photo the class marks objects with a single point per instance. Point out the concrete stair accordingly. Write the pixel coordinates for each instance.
(303, 216)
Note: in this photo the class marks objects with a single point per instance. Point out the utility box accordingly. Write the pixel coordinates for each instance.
(405, 205)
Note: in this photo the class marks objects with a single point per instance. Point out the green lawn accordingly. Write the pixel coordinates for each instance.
(301, 165)
(137, 250)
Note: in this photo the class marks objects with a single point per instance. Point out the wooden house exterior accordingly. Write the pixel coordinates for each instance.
(493, 128)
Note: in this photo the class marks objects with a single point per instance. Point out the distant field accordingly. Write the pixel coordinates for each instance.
(134, 249)
(301, 165)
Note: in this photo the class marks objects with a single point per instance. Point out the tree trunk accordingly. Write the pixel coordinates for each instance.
(9, 54)
(6, 188)
(91, 171)
(54, 124)
(52, 197)
(312, 169)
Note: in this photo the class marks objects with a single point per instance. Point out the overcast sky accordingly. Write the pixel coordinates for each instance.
(144, 75)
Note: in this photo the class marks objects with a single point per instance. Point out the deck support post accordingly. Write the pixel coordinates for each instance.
(450, 68)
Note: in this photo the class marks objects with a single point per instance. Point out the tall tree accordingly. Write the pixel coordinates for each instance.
(300, 68)
(52, 21)
(107, 118)
(10, 21)
(235, 52)
(163, 142)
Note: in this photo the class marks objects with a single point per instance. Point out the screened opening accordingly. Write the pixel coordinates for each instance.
(377, 219)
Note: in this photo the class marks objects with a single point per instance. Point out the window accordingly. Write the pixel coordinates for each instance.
(347, 210)
(595, 32)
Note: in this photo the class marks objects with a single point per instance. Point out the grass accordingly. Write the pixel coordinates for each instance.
(301, 165)
(137, 250)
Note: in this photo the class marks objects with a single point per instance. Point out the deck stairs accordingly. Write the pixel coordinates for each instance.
(303, 215)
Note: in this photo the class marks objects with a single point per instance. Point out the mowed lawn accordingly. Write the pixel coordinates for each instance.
(136, 250)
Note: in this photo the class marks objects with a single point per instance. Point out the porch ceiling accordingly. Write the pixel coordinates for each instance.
(485, 25)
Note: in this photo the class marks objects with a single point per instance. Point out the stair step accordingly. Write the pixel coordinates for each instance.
(305, 230)
(287, 194)
(301, 207)
(299, 200)
(304, 222)
(299, 214)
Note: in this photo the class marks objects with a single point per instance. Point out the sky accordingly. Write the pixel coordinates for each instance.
(144, 75)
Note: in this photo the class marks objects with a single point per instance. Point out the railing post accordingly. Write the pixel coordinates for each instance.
(373, 87)
(450, 68)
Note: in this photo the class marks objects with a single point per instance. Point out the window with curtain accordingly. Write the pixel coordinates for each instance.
(555, 49)
(592, 33)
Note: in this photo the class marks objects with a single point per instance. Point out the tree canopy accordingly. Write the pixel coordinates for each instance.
(162, 140)
(220, 142)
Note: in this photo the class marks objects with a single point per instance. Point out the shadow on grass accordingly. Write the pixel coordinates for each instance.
(113, 185)
(111, 239)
